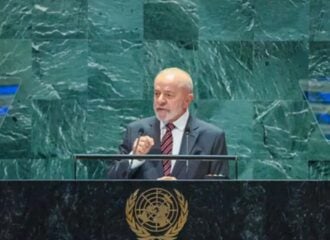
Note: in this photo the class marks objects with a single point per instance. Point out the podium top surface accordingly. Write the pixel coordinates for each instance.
(152, 157)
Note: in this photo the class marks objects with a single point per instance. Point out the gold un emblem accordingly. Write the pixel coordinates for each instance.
(156, 214)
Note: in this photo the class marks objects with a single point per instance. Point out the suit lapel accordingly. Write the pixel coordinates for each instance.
(191, 140)
(154, 132)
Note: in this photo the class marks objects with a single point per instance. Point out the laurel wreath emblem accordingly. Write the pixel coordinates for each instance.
(142, 233)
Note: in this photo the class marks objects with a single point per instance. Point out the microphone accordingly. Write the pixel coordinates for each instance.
(130, 162)
(140, 133)
(187, 133)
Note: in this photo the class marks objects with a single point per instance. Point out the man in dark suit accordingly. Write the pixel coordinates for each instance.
(172, 131)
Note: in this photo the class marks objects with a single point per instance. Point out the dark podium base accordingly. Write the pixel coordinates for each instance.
(217, 209)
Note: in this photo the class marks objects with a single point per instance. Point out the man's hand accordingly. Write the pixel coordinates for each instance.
(144, 145)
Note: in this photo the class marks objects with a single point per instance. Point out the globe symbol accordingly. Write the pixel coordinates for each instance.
(156, 210)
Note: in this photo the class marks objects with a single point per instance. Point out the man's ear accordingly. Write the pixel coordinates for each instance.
(190, 97)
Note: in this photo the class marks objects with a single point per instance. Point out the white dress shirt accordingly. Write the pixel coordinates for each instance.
(177, 133)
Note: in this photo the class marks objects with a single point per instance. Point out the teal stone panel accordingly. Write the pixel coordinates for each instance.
(17, 63)
(115, 19)
(159, 54)
(58, 128)
(235, 118)
(170, 20)
(15, 58)
(320, 20)
(59, 68)
(9, 169)
(277, 69)
(115, 69)
(15, 132)
(59, 19)
(282, 131)
(281, 20)
(319, 170)
(226, 20)
(318, 148)
(15, 68)
(319, 59)
(91, 169)
(36, 169)
(15, 19)
(225, 70)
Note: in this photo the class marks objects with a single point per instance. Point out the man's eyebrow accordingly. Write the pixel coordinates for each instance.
(169, 91)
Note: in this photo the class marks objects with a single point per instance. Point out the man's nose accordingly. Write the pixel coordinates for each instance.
(161, 99)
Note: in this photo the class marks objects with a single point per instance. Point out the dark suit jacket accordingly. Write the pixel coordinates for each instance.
(203, 139)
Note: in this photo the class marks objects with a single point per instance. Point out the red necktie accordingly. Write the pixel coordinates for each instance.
(166, 148)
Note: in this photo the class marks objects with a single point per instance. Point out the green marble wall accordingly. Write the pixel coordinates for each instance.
(86, 69)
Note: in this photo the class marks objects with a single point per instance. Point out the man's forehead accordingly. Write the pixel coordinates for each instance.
(166, 87)
(170, 79)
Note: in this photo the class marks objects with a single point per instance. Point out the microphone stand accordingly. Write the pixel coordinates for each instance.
(187, 132)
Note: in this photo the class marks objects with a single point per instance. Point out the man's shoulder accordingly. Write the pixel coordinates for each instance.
(206, 126)
(142, 122)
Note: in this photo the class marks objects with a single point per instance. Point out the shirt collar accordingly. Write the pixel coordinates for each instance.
(180, 123)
